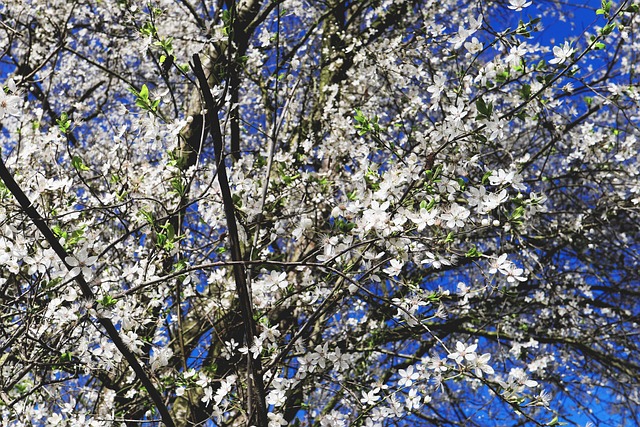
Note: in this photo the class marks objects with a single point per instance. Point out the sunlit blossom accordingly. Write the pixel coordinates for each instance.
(561, 53)
(81, 262)
(8, 104)
(518, 5)
(407, 376)
(464, 352)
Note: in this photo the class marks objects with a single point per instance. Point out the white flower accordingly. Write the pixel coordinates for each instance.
(132, 341)
(516, 383)
(501, 176)
(340, 361)
(370, 397)
(480, 365)
(395, 268)
(460, 37)
(226, 385)
(255, 349)
(457, 112)
(518, 5)
(376, 217)
(276, 420)
(437, 364)
(275, 280)
(509, 269)
(277, 397)
(8, 103)
(493, 200)
(229, 348)
(424, 218)
(270, 334)
(435, 260)
(456, 216)
(202, 380)
(501, 263)
(542, 399)
(439, 81)
(519, 377)
(208, 394)
(561, 54)
(475, 196)
(407, 376)
(515, 55)
(160, 357)
(413, 400)
(474, 46)
(464, 33)
(464, 353)
(514, 273)
(81, 263)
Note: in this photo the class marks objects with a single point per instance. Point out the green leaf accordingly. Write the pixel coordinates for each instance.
(178, 186)
(431, 204)
(107, 301)
(605, 8)
(144, 92)
(180, 265)
(502, 77)
(148, 29)
(76, 236)
(517, 213)
(64, 123)
(168, 228)
(288, 179)
(553, 422)
(78, 164)
(485, 177)
(161, 240)
(59, 232)
(148, 216)
(345, 226)
(483, 108)
(608, 29)
(473, 253)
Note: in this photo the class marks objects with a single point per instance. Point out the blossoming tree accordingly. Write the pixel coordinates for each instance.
(327, 213)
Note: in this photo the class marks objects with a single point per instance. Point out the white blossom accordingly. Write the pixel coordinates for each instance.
(81, 262)
(518, 5)
(561, 53)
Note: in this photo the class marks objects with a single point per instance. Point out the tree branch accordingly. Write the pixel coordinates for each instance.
(257, 405)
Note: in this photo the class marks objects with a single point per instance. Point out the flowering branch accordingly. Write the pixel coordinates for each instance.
(106, 323)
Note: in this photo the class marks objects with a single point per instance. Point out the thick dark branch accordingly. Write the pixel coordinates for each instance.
(258, 405)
